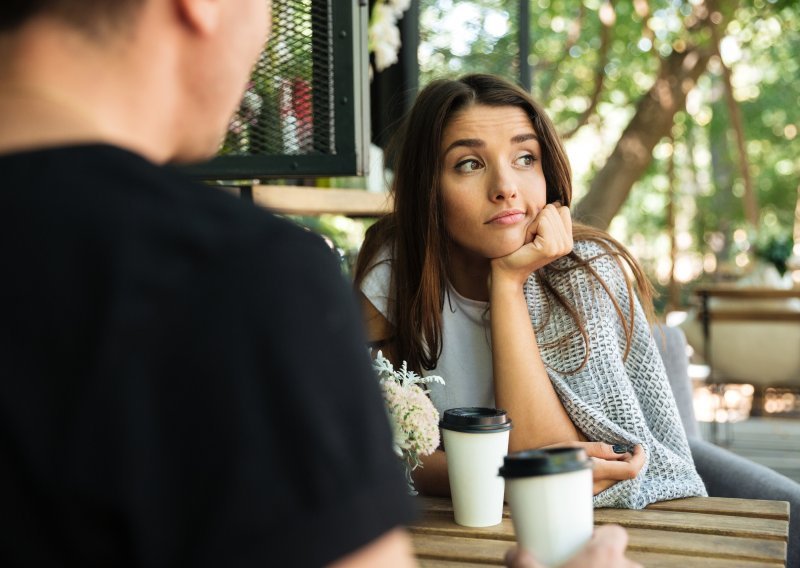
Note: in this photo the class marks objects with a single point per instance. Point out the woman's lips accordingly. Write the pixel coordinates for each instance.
(509, 217)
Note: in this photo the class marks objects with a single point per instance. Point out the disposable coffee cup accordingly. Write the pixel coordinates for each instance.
(550, 495)
(475, 443)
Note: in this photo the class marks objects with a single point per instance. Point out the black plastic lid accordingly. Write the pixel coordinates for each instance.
(475, 419)
(531, 463)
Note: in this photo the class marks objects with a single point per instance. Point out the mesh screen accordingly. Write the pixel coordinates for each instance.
(288, 107)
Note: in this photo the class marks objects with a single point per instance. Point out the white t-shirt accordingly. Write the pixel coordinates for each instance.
(466, 360)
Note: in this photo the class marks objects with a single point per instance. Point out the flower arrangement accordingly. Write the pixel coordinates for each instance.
(414, 419)
(383, 33)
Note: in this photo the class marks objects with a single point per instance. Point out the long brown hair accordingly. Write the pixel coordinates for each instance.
(416, 233)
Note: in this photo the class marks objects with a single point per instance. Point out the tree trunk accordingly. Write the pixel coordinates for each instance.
(634, 150)
(735, 116)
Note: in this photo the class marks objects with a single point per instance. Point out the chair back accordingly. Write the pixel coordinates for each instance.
(671, 342)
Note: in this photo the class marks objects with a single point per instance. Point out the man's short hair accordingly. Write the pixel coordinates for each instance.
(91, 16)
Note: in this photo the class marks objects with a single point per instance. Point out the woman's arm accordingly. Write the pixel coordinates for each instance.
(380, 333)
(521, 383)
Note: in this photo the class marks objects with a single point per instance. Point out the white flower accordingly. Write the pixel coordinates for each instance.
(383, 34)
(385, 56)
(399, 6)
(414, 419)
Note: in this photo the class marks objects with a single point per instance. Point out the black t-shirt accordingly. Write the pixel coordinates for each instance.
(183, 377)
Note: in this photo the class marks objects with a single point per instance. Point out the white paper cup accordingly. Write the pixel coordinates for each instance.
(550, 494)
(475, 443)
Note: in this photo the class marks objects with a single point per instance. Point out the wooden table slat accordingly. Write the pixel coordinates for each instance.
(727, 506)
(726, 525)
(707, 505)
(737, 518)
(438, 522)
(706, 545)
(439, 551)
(460, 549)
(439, 563)
(656, 560)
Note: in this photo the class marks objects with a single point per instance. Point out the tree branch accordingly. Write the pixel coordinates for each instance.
(650, 123)
(599, 74)
(750, 197)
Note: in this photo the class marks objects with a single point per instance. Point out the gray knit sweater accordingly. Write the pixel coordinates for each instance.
(613, 398)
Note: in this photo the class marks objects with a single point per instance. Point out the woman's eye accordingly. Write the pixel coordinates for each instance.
(467, 166)
(526, 160)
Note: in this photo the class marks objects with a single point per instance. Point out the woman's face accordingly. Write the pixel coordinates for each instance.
(491, 181)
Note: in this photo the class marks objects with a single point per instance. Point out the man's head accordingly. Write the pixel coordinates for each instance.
(161, 77)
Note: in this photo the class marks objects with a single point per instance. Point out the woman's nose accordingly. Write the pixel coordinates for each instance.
(503, 186)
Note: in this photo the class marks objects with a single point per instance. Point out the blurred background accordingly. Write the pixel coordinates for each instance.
(681, 119)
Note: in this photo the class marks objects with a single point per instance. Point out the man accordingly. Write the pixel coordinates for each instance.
(183, 380)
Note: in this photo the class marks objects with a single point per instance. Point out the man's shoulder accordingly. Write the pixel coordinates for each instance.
(133, 209)
(125, 188)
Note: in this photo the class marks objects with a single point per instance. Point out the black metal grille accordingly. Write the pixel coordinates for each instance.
(288, 107)
(305, 111)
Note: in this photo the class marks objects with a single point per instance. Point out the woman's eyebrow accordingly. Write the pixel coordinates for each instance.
(519, 138)
(478, 143)
(468, 142)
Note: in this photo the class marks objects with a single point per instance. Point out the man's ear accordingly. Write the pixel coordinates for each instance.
(202, 16)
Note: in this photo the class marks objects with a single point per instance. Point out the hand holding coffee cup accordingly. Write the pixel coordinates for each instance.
(606, 549)
(550, 494)
(475, 443)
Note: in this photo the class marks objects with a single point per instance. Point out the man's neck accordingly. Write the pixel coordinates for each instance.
(61, 89)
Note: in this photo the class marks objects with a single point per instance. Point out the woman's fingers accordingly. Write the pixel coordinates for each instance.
(566, 219)
(627, 468)
(614, 470)
(553, 231)
(612, 462)
(602, 450)
(607, 472)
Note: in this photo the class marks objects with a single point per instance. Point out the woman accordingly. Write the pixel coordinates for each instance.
(475, 277)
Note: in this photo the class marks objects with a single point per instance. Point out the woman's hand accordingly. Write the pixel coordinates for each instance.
(610, 466)
(548, 238)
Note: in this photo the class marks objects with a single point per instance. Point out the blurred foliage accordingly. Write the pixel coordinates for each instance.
(343, 234)
(775, 247)
(699, 167)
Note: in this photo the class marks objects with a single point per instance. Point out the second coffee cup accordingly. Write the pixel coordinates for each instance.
(475, 443)
(550, 495)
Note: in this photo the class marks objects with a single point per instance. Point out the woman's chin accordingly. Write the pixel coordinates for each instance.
(508, 246)
(501, 252)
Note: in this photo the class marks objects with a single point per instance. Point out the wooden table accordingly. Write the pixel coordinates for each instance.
(709, 532)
